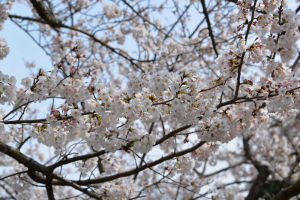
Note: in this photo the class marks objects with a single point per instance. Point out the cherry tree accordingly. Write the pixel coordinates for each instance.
(155, 99)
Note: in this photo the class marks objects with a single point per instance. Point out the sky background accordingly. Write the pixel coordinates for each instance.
(21, 48)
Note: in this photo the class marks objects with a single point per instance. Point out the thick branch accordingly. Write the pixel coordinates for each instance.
(49, 188)
(259, 182)
(23, 159)
(45, 13)
(263, 173)
(289, 192)
(35, 167)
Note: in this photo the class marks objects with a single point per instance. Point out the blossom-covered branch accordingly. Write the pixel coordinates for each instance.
(152, 100)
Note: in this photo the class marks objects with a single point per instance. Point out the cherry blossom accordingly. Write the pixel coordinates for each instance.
(153, 100)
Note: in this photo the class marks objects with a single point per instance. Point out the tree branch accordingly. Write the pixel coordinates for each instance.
(45, 14)
(263, 173)
(293, 67)
(209, 28)
(23, 159)
(34, 167)
(223, 170)
(92, 36)
(289, 192)
(77, 158)
(136, 170)
(179, 18)
(238, 81)
(49, 188)
(171, 134)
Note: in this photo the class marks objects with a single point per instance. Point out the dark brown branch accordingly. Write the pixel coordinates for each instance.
(45, 14)
(293, 67)
(238, 81)
(22, 143)
(171, 134)
(134, 171)
(289, 192)
(263, 173)
(259, 182)
(23, 159)
(11, 196)
(87, 156)
(77, 158)
(14, 174)
(32, 121)
(209, 27)
(49, 188)
(35, 167)
(27, 19)
(233, 1)
(29, 121)
(77, 187)
(298, 9)
(38, 177)
(96, 154)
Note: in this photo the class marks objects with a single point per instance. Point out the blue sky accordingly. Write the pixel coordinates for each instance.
(22, 48)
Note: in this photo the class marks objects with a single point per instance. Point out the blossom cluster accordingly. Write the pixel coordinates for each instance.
(137, 121)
